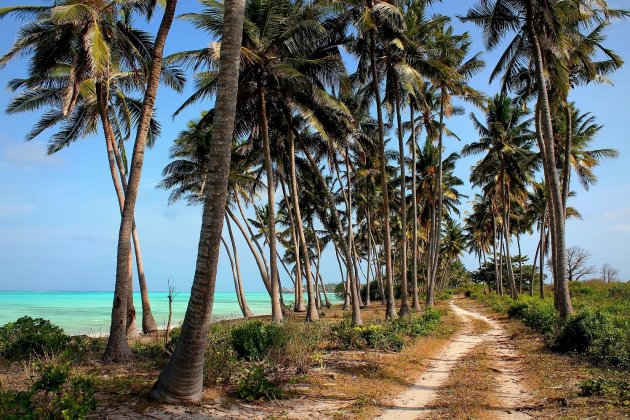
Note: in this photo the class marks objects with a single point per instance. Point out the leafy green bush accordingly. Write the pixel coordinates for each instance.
(54, 395)
(604, 338)
(28, 337)
(256, 384)
(618, 389)
(388, 336)
(221, 362)
(252, 340)
(298, 346)
(536, 314)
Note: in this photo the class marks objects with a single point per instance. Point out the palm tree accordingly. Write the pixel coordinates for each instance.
(81, 84)
(452, 51)
(182, 378)
(117, 346)
(186, 176)
(508, 165)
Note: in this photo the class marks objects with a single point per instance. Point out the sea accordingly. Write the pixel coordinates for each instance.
(90, 312)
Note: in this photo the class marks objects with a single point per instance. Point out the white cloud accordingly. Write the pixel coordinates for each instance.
(618, 214)
(28, 154)
(8, 210)
(624, 228)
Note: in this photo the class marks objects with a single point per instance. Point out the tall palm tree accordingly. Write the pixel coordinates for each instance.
(182, 378)
(85, 56)
(509, 164)
(452, 51)
(117, 346)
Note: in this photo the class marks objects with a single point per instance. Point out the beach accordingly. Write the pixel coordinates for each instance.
(89, 312)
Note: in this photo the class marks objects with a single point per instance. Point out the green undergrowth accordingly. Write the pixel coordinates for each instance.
(598, 331)
(251, 359)
(391, 335)
(53, 394)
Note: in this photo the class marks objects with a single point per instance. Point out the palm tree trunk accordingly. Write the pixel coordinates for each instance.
(148, 322)
(110, 139)
(276, 308)
(404, 303)
(520, 264)
(264, 274)
(414, 197)
(238, 282)
(252, 236)
(390, 308)
(330, 202)
(437, 232)
(565, 307)
(311, 310)
(535, 261)
(117, 347)
(182, 378)
(507, 235)
(369, 254)
(353, 247)
(299, 294)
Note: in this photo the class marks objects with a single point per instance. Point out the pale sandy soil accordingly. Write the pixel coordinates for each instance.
(419, 401)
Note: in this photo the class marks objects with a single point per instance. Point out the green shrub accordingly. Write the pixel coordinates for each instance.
(298, 346)
(220, 363)
(536, 314)
(252, 340)
(617, 389)
(256, 384)
(54, 395)
(602, 337)
(28, 337)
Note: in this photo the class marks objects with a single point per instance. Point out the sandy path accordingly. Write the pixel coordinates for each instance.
(417, 401)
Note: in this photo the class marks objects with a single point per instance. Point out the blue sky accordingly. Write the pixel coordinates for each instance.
(59, 217)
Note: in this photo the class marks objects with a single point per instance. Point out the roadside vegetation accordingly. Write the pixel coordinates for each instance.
(598, 333)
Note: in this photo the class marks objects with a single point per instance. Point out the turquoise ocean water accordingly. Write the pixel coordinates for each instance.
(90, 312)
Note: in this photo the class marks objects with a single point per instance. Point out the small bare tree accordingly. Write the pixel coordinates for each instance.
(577, 259)
(171, 297)
(609, 273)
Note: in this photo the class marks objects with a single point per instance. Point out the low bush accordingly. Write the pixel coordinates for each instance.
(28, 337)
(602, 337)
(258, 383)
(297, 346)
(54, 395)
(617, 389)
(536, 314)
(221, 363)
(252, 340)
(384, 336)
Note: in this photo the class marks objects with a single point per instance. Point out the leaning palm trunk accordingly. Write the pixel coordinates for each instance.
(437, 229)
(148, 322)
(390, 308)
(117, 346)
(264, 274)
(565, 307)
(353, 248)
(182, 378)
(311, 310)
(415, 301)
(238, 282)
(276, 309)
(404, 304)
(506, 232)
(299, 294)
(330, 203)
(110, 140)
